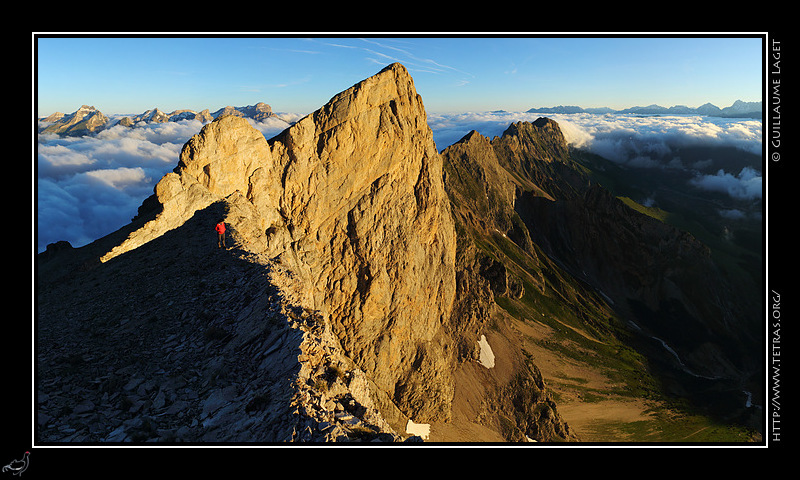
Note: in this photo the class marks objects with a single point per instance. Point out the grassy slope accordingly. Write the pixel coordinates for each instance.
(601, 383)
(604, 387)
(739, 253)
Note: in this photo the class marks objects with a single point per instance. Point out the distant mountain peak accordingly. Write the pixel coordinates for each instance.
(258, 112)
(66, 124)
(87, 119)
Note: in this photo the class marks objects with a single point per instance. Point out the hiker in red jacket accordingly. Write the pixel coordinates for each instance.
(220, 228)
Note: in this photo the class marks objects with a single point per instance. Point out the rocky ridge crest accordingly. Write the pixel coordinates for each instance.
(180, 342)
(349, 209)
(350, 197)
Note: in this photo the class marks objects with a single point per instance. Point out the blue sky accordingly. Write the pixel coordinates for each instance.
(453, 74)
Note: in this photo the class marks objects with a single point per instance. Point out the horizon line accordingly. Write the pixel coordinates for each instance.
(298, 112)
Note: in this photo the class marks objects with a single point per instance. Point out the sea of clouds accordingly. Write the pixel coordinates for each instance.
(88, 187)
(637, 141)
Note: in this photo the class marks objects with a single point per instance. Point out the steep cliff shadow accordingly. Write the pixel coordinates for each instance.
(175, 341)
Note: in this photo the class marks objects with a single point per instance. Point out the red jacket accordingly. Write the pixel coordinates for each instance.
(220, 228)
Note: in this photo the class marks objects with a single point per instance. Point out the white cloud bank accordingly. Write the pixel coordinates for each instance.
(616, 137)
(633, 140)
(88, 187)
(747, 185)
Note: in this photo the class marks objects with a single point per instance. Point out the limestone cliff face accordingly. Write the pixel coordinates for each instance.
(363, 206)
(351, 200)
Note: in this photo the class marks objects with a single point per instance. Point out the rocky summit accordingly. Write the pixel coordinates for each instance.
(333, 316)
(370, 289)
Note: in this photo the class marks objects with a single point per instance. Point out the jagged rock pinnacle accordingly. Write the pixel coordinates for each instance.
(351, 198)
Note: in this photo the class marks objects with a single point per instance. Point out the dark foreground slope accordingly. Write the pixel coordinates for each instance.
(150, 346)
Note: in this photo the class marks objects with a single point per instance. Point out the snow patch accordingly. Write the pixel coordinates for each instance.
(421, 429)
(486, 356)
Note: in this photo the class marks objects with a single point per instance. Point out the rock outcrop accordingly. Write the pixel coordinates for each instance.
(363, 202)
(178, 341)
(351, 200)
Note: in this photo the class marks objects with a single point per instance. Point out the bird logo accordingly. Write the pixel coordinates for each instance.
(16, 467)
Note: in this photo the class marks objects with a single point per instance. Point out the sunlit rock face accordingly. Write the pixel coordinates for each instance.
(351, 199)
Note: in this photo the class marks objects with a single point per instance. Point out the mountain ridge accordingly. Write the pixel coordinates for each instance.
(551, 252)
(739, 109)
(371, 250)
(87, 119)
(382, 270)
(67, 125)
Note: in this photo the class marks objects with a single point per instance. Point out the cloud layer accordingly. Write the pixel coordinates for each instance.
(88, 187)
(617, 137)
(637, 141)
(747, 185)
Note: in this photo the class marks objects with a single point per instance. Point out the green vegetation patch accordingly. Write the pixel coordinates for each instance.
(654, 212)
